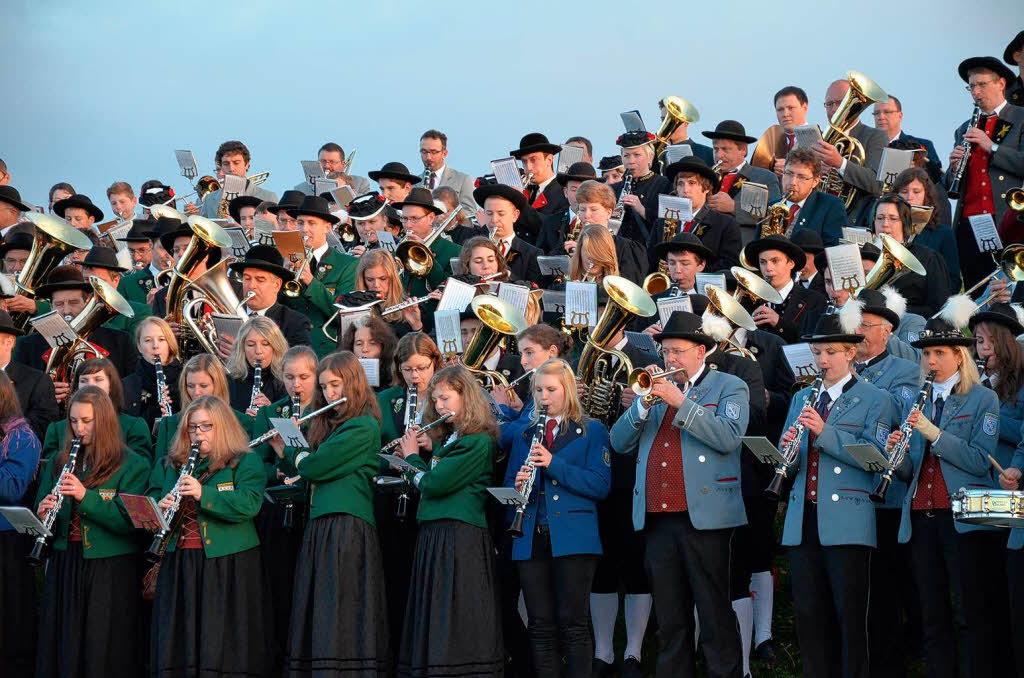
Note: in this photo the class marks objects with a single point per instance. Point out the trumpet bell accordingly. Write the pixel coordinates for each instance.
(1011, 260)
(416, 257)
(729, 308)
(749, 284)
(656, 283)
(895, 262)
(1015, 199)
(166, 212)
(205, 186)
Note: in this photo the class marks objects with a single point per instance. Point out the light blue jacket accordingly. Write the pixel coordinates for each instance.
(909, 331)
(1017, 534)
(1010, 416)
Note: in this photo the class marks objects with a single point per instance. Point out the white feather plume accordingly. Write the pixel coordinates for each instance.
(715, 326)
(1018, 310)
(850, 315)
(958, 310)
(894, 301)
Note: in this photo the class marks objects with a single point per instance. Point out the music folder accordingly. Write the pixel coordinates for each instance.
(24, 521)
(868, 457)
(399, 463)
(508, 496)
(144, 512)
(763, 450)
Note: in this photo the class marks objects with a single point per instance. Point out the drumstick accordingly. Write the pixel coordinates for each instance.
(996, 464)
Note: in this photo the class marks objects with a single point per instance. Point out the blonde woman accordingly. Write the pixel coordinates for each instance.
(377, 273)
(155, 342)
(259, 343)
(594, 204)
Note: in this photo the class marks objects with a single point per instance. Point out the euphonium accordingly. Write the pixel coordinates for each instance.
(862, 93)
(207, 235)
(895, 262)
(36, 557)
(500, 319)
(900, 449)
(777, 220)
(677, 112)
(214, 288)
(105, 303)
(415, 255)
(751, 286)
(55, 239)
(791, 451)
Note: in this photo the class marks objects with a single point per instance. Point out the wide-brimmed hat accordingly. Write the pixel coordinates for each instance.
(420, 197)
(533, 142)
(170, 230)
(692, 163)
(685, 325)
(63, 278)
(366, 206)
(103, 257)
(990, 63)
(776, 242)
(877, 303)
(314, 206)
(10, 195)
(291, 198)
(634, 139)
(809, 241)
(481, 194)
(16, 241)
(732, 130)
(77, 200)
(839, 327)
(154, 192)
(946, 328)
(683, 242)
(265, 258)
(1010, 316)
(141, 231)
(578, 171)
(610, 162)
(1015, 44)
(235, 206)
(396, 171)
(7, 325)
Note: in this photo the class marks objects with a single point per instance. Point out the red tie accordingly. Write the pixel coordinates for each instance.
(687, 226)
(727, 181)
(549, 433)
(790, 140)
(793, 209)
(504, 248)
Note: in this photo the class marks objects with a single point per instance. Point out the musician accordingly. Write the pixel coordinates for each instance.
(915, 186)
(395, 181)
(122, 200)
(481, 257)
(996, 162)
(11, 207)
(685, 257)
(778, 259)
(332, 159)
(585, 144)
(138, 283)
(611, 169)
(213, 540)
(778, 140)
(557, 557)
(888, 117)
(810, 208)
(242, 211)
(174, 237)
(370, 213)
(596, 202)
(641, 203)
(19, 459)
(102, 262)
(688, 528)
(536, 344)
(437, 173)
(289, 200)
(537, 156)
(232, 157)
(33, 387)
(419, 216)
(1013, 55)
(377, 273)
(154, 192)
(462, 228)
(264, 273)
(504, 363)
(557, 229)
(925, 294)
(454, 553)
(830, 524)
(372, 338)
(14, 250)
(260, 343)
(155, 342)
(730, 142)
(1001, 366)
(691, 178)
(502, 207)
(953, 437)
(810, 242)
(201, 375)
(92, 575)
(78, 211)
(58, 192)
(681, 135)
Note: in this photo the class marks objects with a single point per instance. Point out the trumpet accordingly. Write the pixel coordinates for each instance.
(157, 547)
(434, 424)
(516, 528)
(899, 450)
(293, 288)
(36, 557)
(961, 166)
(791, 451)
(206, 185)
(641, 382)
(272, 433)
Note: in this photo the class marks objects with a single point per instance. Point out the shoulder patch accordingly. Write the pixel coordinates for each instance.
(732, 410)
(607, 456)
(990, 425)
(882, 432)
(912, 336)
(906, 393)
(107, 495)
(225, 487)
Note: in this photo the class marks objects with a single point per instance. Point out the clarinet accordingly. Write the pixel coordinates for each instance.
(516, 528)
(257, 383)
(162, 395)
(627, 189)
(402, 504)
(36, 557)
(899, 450)
(153, 554)
(792, 450)
(437, 422)
(961, 167)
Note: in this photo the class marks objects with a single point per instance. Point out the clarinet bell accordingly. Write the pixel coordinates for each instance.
(152, 554)
(515, 530)
(774, 489)
(36, 557)
(288, 520)
(878, 496)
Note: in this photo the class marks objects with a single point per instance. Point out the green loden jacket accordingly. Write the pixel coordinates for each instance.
(335, 275)
(455, 483)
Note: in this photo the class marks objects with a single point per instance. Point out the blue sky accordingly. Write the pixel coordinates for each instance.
(103, 91)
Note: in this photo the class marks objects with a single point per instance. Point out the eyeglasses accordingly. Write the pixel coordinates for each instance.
(675, 352)
(797, 177)
(409, 369)
(970, 87)
(205, 428)
(890, 218)
(427, 151)
(868, 326)
(410, 220)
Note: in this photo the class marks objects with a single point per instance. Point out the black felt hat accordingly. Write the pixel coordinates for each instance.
(141, 231)
(808, 240)
(314, 206)
(684, 325)
(170, 230)
(16, 241)
(578, 171)
(77, 200)
(265, 258)
(420, 197)
(876, 303)
(634, 139)
(7, 325)
(610, 162)
(692, 163)
(396, 171)
(288, 199)
(683, 242)
(480, 195)
(235, 206)
(1015, 45)
(63, 278)
(839, 327)
(366, 206)
(10, 195)
(1007, 315)
(990, 63)
(945, 328)
(154, 192)
(732, 130)
(103, 257)
(776, 242)
(533, 142)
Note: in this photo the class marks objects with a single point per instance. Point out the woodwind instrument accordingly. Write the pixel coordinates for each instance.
(900, 449)
(273, 433)
(36, 557)
(434, 424)
(791, 451)
(157, 546)
(961, 166)
(257, 383)
(516, 528)
(162, 394)
(410, 407)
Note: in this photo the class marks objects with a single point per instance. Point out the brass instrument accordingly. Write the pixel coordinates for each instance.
(641, 382)
(597, 367)
(1010, 261)
(895, 262)
(733, 311)
(677, 111)
(207, 235)
(415, 255)
(203, 187)
(920, 215)
(862, 93)
(1015, 199)
(669, 230)
(157, 546)
(36, 557)
(961, 165)
(751, 286)
(657, 282)
(158, 211)
(900, 449)
(574, 229)
(515, 530)
(293, 288)
(213, 288)
(54, 240)
(500, 319)
(777, 220)
(792, 450)
(106, 302)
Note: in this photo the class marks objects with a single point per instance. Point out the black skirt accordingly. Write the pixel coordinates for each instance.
(339, 624)
(279, 544)
(89, 620)
(17, 606)
(211, 617)
(397, 544)
(452, 627)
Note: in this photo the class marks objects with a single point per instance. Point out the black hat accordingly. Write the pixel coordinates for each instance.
(809, 241)
(419, 197)
(840, 327)
(877, 303)
(235, 206)
(266, 258)
(945, 328)
(610, 162)
(776, 242)
(16, 241)
(635, 139)
(100, 256)
(578, 171)
(314, 206)
(7, 325)
(154, 192)
(870, 251)
(684, 325)
(288, 199)
(683, 242)
(732, 130)
(1015, 45)
(9, 194)
(63, 278)
(991, 63)
(394, 218)
(396, 171)
(77, 200)
(1007, 315)
(533, 142)
(480, 195)
(692, 163)
(366, 206)
(141, 230)
(169, 230)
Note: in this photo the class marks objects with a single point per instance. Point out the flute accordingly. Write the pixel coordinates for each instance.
(301, 420)
(36, 556)
(437, 422)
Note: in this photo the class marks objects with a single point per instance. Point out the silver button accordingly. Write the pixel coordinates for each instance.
(555, 497)
(813, 493)
(666, 444)
(664, 464)
(835, 497)
(814, 477)
(664, 485)
(929, 486)
(664, 506)
(837, 470)
(702, 458)
(554, 482)
(579, 431)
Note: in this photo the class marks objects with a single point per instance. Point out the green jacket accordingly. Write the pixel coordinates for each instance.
(106, 529)
(168, 426)
(230, 501)
(134, 433)
(392, 403)
(128, 325)
(135, 286)
(455, 484)
(341, 470)
(281, 409)
(444, 251)
(335, 275)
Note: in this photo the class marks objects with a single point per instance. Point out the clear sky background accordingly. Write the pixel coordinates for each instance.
(105, 90)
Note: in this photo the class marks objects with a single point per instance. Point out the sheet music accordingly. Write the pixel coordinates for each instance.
(456, 295)
(762, 449)
(868, 457)
(553, 301)
(448, 330)
(568, 156)
(858, 236)
(677, 152)
(371, 366)
(24, 521)
(290, 433)
(985, 233)
(517, 295)
(673, 207)
(263, 229)
(226, 325)
(291, 246)
(187, 164)
(124, 259)
(386, 240)
(557, 265)
(233, 186)
(845, 267)
(506, 171)
(805, 136)
(143, 512)
(580, 304)
(312, 170)
(239, 241)
(349, 319)
(343, 195)
(632, 121)
(119, 230)
(702, 279)
(800, 359)
(398, 463)
(669, 305)
(893, 162)
(754, 199)
(456, 264)
(54, 329)
(642, 341)
(324, 185)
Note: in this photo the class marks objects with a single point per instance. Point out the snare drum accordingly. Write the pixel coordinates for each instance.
(987, 506)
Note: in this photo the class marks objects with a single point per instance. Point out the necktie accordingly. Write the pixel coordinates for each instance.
(531, 192)
(503, 246)
(549, 433)
(688, 226)
(859, 367)
(940, 403)
(313, 264)
(793, 209)
(432, 180)
(823, 402)
(790, 140)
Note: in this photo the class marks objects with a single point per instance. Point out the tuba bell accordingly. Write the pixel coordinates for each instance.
(106, 302)
(416, 256)
(214, 288)
(731, 310)
(895, 262)
(862, 93)
(500, 319)
(677, 111)
(54, 240)
(207, 235)
(751, 286)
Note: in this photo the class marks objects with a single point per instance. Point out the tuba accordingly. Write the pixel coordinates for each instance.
(596, 367)
(214, 288)
(862, 93)
(751, 286)
(777, 220)
(106, 303)
(677, 111)
(731, 310)
(500, 319)
(416, 256)
(895, 262)
(207, 236)
(54, 240)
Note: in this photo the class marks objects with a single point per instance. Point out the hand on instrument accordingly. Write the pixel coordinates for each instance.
(423, 440)
(306, 276)
(20, 303)
(779, 166)
(893, 438)
(920, 422)
(811, 420)
(827, 153)
(71, 486)
(977, 136)
(669, 391)
(61, 390)
(765, 316)
(166, 503)
(540, 455)
(277, 445)
(190, 208)
(788, 436)
(627, 397)
(1009, 479)
(570, 246)
(721, 202)
(1001, 291)
(633, 200)
(190, 487)
(508, 398)
(412, 316)
(436, 294)
(224, 344)
(48, 502)
(653, 329)
(357, 251)
(409, 445)
(954, 157)
(582, 390)
(259, 401)
(522, 474)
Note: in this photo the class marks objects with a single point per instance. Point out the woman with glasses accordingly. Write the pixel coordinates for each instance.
(916, 187)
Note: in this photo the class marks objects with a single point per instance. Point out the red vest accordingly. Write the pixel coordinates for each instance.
(977, 195)
(666, 489)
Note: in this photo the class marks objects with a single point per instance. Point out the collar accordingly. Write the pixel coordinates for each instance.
(621, 343)
(262, 312)
(572, 215)
(154, 270)
(877, 359)
(899, 135)
(801, 203)
(319, 253)
(4, 368)
(695, 378)
(438, 173)
(739, 167)
(740, 336)
(997, 110)
(839, 388)
(541, 186)
(650, 173)
(492, 360)
(942, 389)
(786, 289)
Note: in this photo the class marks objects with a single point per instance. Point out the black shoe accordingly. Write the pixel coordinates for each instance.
(765, 652)
(600, 668)
(631, 668)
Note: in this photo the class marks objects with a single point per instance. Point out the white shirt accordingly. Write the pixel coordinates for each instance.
(807, 283)
(997, 110)
(835, 390)
(319, 253)
(801, 203)
(740, 336)
(786, 289)
(154, 270)
(492, 360)
(542, 186)
(942, 389)
(438, 173)
(251, 312)
(508, 242)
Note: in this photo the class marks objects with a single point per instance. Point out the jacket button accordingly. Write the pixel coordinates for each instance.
(554, 482)
(704, 490)
(555, 497)
(207, 541)
(837, 470)
(702, 459)
(664, 463)
(1001, 177)
(835, 497)
(664, 506)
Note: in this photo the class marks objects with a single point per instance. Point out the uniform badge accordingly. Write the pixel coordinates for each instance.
(225, 487)
(320, 274)
(286, 411)
(607, 457)
(990, 425)
(732, 410)
(912, 336)
(399, 404)
(434, 462)
(147, 283)
(1004, 129)
(906, 393)
(881, 433)
(107, 495)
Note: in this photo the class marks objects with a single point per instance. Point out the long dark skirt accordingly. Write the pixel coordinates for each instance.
(17, 606)
(452, 626)
(89, 620)
(211, 617)
(397, 545)
(279, 544)
(339, 624)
